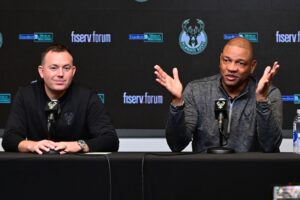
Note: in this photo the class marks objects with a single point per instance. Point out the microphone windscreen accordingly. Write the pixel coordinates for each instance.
(52, 105)
(221, 107)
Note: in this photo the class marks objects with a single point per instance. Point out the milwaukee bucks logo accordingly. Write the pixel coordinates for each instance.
(193, 39)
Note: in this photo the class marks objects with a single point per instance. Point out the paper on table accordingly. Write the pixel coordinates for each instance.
(97, 153)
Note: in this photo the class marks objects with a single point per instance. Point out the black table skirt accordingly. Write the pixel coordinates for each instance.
(146, 176)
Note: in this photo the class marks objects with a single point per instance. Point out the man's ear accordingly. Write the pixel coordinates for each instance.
(74, 70)
(41, 70)
(221, 54)
(220, 59)
(253, 66)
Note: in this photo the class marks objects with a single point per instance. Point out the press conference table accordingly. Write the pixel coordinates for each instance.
(146, 176)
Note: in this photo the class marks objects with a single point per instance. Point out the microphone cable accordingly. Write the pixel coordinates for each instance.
(109, 176)
(108, 167)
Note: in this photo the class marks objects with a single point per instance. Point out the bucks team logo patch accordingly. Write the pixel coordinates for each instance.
(68, 117)
(193, 39)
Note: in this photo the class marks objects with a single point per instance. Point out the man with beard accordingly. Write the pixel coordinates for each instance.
(254, 107)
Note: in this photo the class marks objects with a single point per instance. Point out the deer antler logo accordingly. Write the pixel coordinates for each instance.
(221, 104)
(193, 39)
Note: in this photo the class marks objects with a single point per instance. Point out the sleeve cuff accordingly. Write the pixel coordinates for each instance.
(176, 108)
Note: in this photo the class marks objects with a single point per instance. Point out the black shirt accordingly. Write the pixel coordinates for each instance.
(82, 116)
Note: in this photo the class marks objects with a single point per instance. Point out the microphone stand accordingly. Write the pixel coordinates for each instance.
(52, 110)
(221, 149)
(50, 125)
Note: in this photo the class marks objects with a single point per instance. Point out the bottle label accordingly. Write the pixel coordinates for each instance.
(295, 136)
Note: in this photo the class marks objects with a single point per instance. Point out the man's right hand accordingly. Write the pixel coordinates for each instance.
(36, 146)
(173, 85)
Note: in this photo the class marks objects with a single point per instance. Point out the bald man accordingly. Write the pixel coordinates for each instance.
(254, 107)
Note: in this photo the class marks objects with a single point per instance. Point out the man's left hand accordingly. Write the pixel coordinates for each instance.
(265, 82)
(67, 147)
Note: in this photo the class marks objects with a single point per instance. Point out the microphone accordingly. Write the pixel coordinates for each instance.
(220, 115)
(221, 112)
(52, 110)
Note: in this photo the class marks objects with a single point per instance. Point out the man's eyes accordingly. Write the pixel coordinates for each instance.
(53, 68)
(65, 68)
(226, 60)
(242, 63)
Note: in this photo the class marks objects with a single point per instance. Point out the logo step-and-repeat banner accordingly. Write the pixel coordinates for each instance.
(116, 44)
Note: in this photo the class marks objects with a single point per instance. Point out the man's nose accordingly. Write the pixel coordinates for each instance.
(60, 71)
(232, 66)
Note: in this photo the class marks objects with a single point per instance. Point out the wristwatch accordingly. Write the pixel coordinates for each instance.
(177, 107)
(82, 144)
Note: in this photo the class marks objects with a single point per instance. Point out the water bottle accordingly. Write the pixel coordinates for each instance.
(296, 133)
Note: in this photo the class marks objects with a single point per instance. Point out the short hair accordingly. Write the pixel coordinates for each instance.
(55, 48)
(242, 43)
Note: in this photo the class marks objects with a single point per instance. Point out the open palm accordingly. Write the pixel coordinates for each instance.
(173, 85)
(266, 80)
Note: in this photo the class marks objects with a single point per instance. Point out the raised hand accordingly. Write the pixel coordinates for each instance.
(173, 85)
(265, 82)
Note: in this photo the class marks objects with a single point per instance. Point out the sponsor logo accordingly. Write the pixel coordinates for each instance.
(136, 36)
(142, 99)
(93, 37)
(287, 37)
(1, 39)
(287, 98)
(147, 37)
(153, 37)
(5, 98)
(291, 98)
(101, 97)
(193, 39)
(296, 98)
(37, 37)
(251, 36)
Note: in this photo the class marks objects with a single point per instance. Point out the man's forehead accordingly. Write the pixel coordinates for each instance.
(236, 52)
(235, 48)
(56, 53)
(53, 55)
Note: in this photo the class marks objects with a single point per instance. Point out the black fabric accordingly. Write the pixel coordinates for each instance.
(48, 177)
(82, 117)
(146, 176)
(245, 176)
